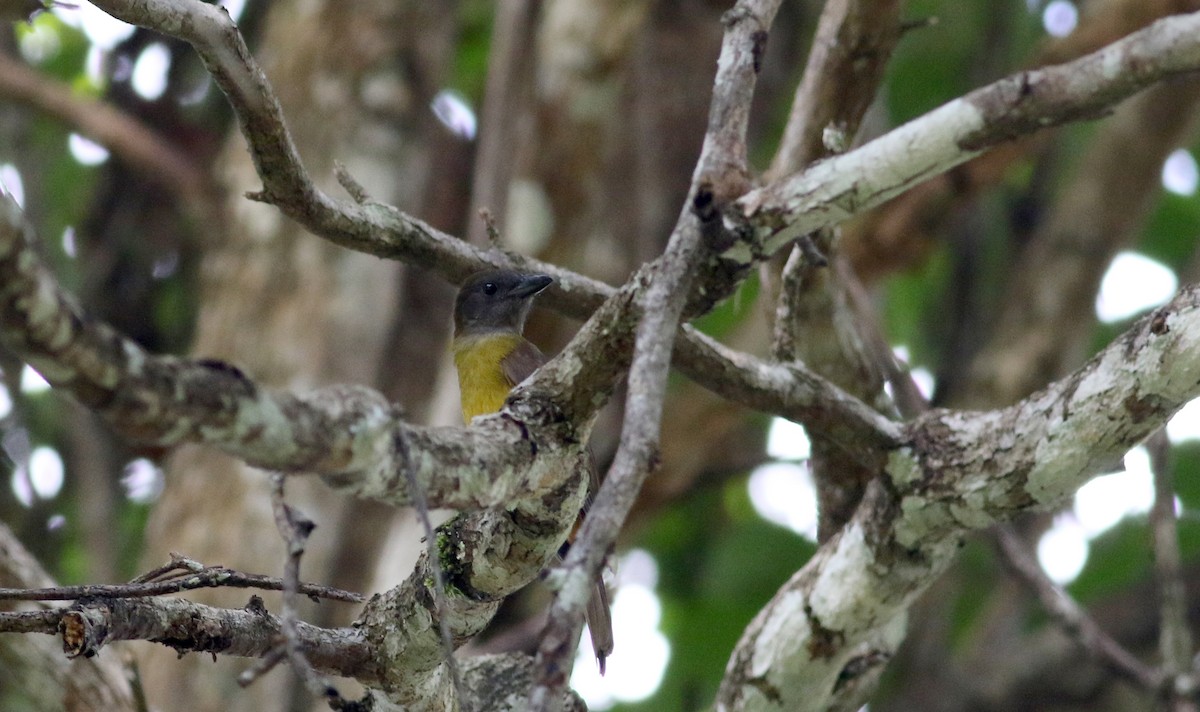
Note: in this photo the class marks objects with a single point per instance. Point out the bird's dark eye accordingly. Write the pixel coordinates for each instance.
(489, 288)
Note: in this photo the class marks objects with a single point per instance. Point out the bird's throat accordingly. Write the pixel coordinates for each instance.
(481, 378)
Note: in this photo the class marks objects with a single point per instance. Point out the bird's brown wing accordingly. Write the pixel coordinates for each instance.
(523, 360)
(517, 366)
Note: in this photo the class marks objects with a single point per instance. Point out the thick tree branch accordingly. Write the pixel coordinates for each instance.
(962, 471)
(849, 183)
(835, 189)
(1039, 333)
(903, 231)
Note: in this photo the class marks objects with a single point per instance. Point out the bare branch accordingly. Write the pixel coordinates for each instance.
(962, 471)
(792, 391)
(209, 577)
(128, 139)
(1070, 616)
(193, 627)
(295, 528)
(1174, 636)
(721, 175)
(853, 42)
(842, 186)
(44, 621)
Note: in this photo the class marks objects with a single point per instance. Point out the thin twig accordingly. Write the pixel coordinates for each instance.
(1175, 640)
(177, 566)
(208, 577)
(489, 224)
(44, 621)
(262, 666)
(350, 183)
(295, 528)
(796, 273)
(1074, 620)
(442, 606)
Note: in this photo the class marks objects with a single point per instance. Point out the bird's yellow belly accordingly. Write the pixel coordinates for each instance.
(481, 378)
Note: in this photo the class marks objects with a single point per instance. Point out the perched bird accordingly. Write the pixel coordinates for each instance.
(491, 356)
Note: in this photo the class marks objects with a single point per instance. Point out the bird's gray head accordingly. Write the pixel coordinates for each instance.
(496, 300)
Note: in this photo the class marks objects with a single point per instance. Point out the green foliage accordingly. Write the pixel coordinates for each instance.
(1186, 458)
(475, 41)
(723, 319)
(953, 49)
(719, 563)
(1118, 558)
(67, 62)
(1167, 234)
(975, 578)
(910, 298)
(58, 188)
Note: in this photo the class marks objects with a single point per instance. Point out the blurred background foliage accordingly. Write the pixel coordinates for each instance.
(131, 251)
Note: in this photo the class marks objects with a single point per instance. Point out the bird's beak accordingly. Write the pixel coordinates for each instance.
(530, 285)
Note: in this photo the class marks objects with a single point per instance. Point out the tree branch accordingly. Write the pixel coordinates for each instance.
(849, 183)
(192, 627)
(902, 232)
(960, 471)
(1070, 616)
(850, 50)
(129, 140)
(835, 189)
(721, 175)
(1174, 636)
(209, 577)
(792, 391)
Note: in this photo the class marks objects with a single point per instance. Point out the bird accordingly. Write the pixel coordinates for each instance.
(491, 356)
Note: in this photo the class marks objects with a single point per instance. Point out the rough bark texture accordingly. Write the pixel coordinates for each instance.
(295, 313)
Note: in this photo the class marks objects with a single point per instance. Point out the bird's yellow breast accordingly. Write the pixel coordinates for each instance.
(481, 378)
